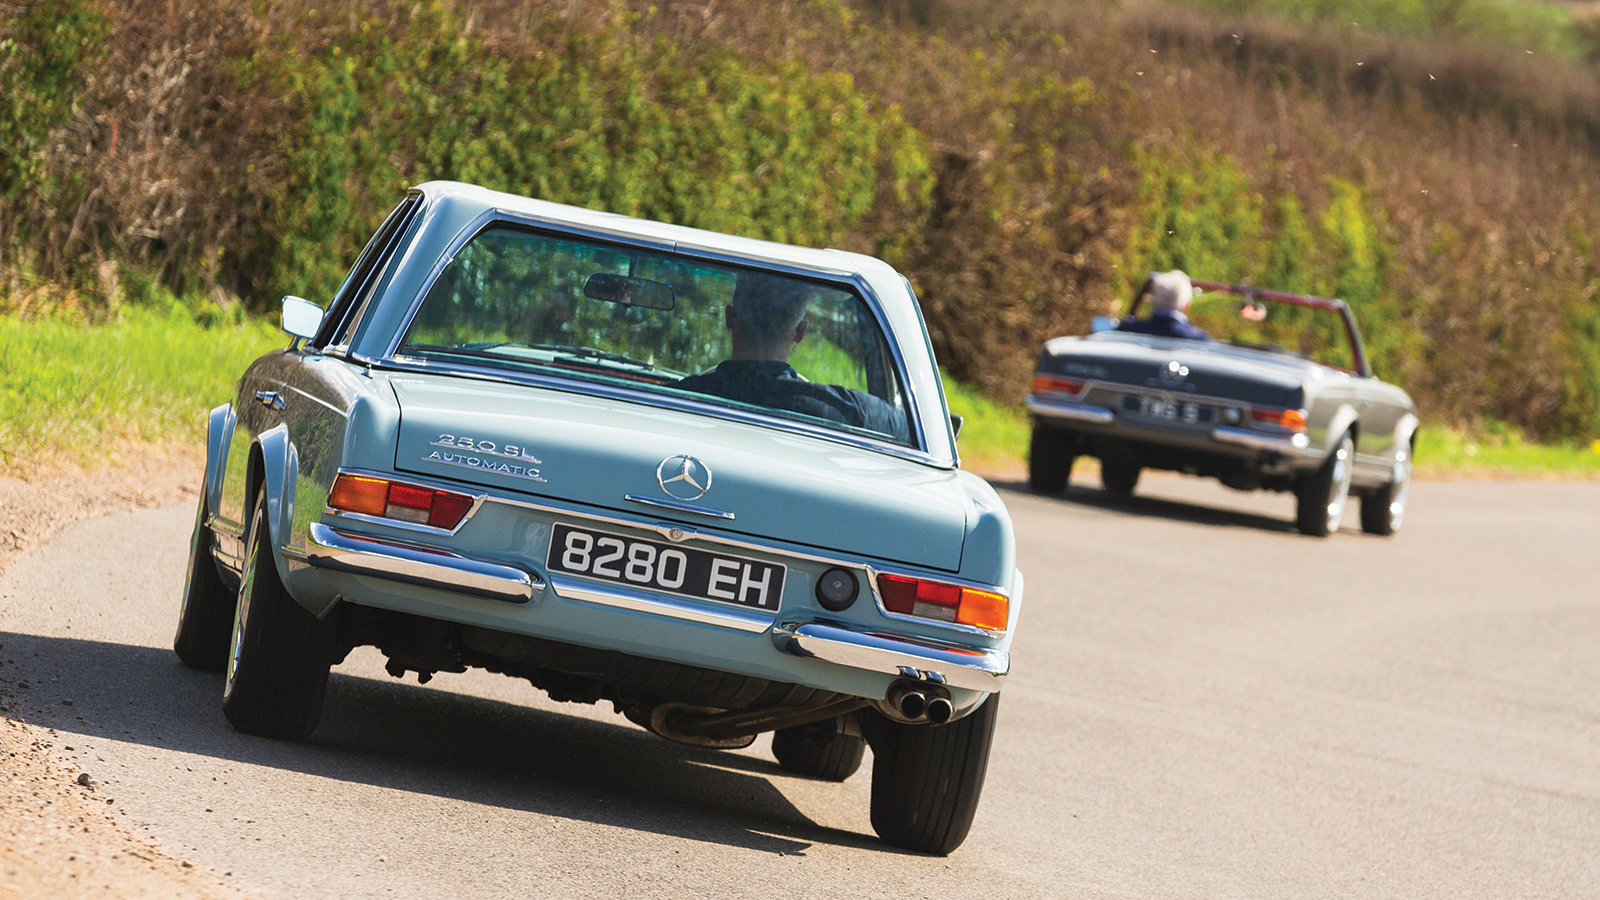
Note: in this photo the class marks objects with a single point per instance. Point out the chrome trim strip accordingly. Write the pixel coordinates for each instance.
(320, 401)
(227, 526)
(680, 506)
(478, 497)
(607, 594)
(877, 597)
(1090, 385)
(1294, 445)
(1071, 412)
(419, 565)
(892, 654)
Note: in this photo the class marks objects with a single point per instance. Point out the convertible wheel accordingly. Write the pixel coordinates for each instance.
(1119, 476)
(1050, 460)
(1384, 509)
(279, 661)
(926, 779)
(1320, 502)
(818, 750)
(206, 619)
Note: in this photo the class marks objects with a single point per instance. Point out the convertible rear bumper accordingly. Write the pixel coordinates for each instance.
(415, 564)
(892, 654)
(858, 654)
(1245, 444)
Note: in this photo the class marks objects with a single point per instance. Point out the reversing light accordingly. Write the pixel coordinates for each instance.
(944, 602)
(1292, 419)
(837, 589)
(397, 500)
(1055, 384)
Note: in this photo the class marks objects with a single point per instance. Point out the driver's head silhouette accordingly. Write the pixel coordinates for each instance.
(767, 317)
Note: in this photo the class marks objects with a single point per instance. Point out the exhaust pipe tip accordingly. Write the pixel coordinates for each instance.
(939, 710)
(913, 704)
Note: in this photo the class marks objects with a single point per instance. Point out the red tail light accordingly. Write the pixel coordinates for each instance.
(1292, 419)
(1055, 384)
(944, 602)
(397, 500)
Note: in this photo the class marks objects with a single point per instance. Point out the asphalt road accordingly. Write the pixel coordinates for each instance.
(1203, 704)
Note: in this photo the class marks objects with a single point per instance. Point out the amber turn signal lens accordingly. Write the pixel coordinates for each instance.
(983, 609)
(353, 493)
(1292, 419)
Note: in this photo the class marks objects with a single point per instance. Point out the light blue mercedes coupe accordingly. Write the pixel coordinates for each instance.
(710, 480)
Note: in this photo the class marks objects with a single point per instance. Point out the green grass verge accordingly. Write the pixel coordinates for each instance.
(69, 391)
(1444, 453)
(994, 437)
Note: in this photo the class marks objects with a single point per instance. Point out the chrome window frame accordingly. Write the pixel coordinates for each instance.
(557, 228)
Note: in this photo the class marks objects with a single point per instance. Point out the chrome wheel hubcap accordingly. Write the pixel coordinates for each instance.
(1340, 490)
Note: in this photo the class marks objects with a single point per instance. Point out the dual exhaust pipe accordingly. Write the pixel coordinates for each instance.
(914, 702)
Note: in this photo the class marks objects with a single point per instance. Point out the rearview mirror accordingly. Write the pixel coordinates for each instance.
(301, 317)
(1102, 323)
(955, 424)
(630, 291)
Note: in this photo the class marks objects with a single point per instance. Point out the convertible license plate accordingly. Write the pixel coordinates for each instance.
(1166, 409)
(683, 571)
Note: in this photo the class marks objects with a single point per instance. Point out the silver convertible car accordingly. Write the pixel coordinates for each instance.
(1285, 401)
(710, 480)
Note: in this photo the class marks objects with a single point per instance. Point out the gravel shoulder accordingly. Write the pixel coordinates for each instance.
(61, 833)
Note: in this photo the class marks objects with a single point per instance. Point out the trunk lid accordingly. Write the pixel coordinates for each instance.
(1205, 369)
(594, 451)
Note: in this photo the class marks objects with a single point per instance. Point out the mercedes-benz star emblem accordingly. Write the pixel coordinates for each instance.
(683, 477)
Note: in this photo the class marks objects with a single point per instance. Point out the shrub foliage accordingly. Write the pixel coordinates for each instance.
(1027, 164)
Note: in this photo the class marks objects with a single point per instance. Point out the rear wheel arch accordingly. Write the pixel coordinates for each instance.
(219, 430)
(270, 455)
(1345, 421)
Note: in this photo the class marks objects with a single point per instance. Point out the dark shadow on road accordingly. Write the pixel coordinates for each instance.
(1154, 507)
(405, 737)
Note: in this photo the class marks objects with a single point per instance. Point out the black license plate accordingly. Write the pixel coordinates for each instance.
(1167, 409)
(683, 571)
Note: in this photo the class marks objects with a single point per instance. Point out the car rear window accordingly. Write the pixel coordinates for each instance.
(738, 337)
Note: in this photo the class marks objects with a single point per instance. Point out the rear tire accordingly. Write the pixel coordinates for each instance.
(1383, 510)
(280, 655)
(926, 779)
(818, 750)
(1320, 502)
(1050, 460)
(1119, 476)
(206, 619)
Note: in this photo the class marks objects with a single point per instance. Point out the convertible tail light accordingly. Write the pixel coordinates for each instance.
(944, 602)
(1055, 384)
(397, 500)
(1292, 419)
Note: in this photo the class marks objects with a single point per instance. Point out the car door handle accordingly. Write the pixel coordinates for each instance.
(271, 400)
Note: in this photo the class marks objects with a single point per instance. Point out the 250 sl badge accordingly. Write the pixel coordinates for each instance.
(485, 456)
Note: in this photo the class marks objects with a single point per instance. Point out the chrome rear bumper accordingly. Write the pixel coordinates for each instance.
(1066, 411)
(1287, 444)
(894, 654)
(423, 566)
